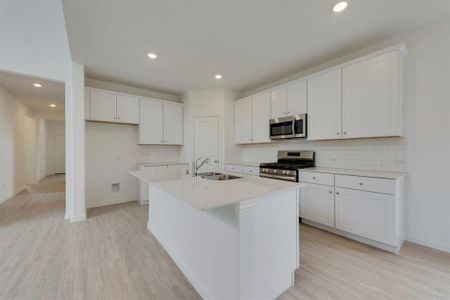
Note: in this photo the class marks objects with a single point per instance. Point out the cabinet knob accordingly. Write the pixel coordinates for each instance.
(345, 132)
(361, 183)
(314, 178)
(337, 193)
(331, 192)
(338, 133)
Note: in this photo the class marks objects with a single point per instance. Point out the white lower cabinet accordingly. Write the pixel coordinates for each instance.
(367, 214)
(368, 209)
(317, 203)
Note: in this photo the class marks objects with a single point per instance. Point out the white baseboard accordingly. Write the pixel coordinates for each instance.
(430, 244)
(105, 203)
(78, 218)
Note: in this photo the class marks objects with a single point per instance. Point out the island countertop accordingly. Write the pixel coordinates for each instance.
(204, 193)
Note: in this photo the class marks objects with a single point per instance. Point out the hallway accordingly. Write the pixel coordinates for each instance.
(109, 256)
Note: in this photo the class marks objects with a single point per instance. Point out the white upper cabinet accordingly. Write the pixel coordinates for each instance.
(173, 123)
(288, 100)
(278, 102)
(251, 119)
(127, 109)
(243, 121)
(103, 106)
(151, 126)
(161, 122)
(370, 97)
(260, 118)
(324, 106)
(106, 106)
(296, 98)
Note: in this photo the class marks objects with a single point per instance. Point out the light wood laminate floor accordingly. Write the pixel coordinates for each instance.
(113, 256)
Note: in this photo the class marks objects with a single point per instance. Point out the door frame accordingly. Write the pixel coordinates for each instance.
(219, 137)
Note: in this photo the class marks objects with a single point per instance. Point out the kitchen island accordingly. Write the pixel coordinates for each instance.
(232, 239)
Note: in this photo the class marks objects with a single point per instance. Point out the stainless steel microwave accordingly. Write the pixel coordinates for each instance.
(288, 127)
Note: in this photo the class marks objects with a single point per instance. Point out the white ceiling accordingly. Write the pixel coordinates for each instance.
(250, 42)
(38, 99)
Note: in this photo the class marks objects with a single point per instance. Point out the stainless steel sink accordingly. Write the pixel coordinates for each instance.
(217, 176)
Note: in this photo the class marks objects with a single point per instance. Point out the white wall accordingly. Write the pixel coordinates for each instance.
(34, 40)
(424, 152)
(13, 174)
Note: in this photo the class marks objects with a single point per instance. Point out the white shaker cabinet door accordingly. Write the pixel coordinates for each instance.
(151, 124)
(103, 106)
(173, 123)
(127, 109)
(317, 203)
(296, 98)
(370, 97)
(324, 106)
(367, 214)
(278, 102)
(243, 121)
(261, 118)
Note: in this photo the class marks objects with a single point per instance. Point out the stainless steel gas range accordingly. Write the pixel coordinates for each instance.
(286, 168)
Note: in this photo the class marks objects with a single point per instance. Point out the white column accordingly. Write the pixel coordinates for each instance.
(75, 174)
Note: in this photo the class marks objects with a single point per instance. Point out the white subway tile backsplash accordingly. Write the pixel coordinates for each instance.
(384, 154)
(157, 153)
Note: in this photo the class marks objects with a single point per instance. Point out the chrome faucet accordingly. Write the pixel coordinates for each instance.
(196, 166)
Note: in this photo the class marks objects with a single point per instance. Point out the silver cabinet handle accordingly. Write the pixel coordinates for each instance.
(337, 193)
(361, 183)
(331, 192)
(314, 178)
(338, 133)
(345, 132)
(216, 161)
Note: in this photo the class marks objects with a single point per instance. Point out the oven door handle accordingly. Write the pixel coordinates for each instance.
(293, 128)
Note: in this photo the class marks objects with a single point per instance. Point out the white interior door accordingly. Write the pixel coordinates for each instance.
(60, 154)
(206, 135)
(30, 153)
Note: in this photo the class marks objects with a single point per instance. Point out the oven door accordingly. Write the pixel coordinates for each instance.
(281, 128)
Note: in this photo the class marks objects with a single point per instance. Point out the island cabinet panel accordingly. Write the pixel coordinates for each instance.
(371, 99)
(151, 126)
(245, 250)
(324, 106)
(127, 109)
(243, 121)
(173, 123)
(317, 203)
(103, 106)
(367, 214)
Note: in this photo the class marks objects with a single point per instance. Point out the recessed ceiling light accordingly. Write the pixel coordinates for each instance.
(37, 84)
(152, 56)
(52, 105)
(340, 6)
(218, 76)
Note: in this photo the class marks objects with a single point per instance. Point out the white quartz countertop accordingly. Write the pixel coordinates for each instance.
(363, 173)
(204, 193)
(161, 163)
(244, 163)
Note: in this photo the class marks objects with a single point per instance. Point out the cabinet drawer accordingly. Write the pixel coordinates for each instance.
(317, 178)
(378, 185)
(251, 171)
(235, 168)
